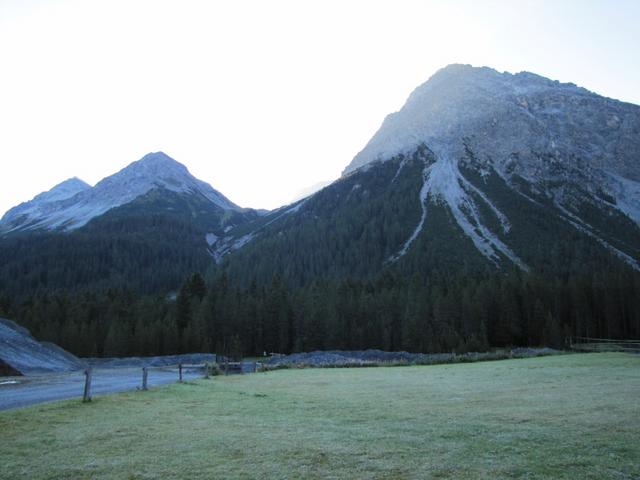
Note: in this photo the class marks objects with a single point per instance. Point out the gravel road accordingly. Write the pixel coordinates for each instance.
(60, 386)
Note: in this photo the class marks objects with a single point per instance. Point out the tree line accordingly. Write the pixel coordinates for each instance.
(438, 313)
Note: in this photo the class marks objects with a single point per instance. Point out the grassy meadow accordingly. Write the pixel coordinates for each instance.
(567, 416)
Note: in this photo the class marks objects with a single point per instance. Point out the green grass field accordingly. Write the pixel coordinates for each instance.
(568, 416)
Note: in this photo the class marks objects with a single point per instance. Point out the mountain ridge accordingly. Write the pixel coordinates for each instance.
(490, 218)
(484, 141)
(524, 125)
(53, 210)
(445, 170)
(458, 96)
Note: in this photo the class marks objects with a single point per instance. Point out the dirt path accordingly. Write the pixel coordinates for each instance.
(60, 386)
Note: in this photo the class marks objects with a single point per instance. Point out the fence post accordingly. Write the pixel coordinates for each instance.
(180, 372)
(86, 397)
(255, 367)
(206, 369)
(144, 378)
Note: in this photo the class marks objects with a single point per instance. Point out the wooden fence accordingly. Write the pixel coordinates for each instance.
(588, 344)
(88, 373)
(226, 367)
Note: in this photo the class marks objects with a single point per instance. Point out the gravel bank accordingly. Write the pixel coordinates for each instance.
(365, 358)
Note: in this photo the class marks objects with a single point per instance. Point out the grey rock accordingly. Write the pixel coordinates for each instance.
(522, 124)
(364, 358)
(72, 204)
(24, 354)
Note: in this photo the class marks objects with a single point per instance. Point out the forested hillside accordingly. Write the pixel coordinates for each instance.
(440, 313)
(150, 245)
(491, 210)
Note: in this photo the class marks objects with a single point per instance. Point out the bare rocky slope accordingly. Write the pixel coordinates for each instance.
(73, 203)
(510, 166)
(23, 355)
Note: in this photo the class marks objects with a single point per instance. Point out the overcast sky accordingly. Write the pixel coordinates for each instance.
(263, 98)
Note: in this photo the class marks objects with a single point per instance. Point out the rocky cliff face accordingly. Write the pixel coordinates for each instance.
(478, 166)
(521, 125)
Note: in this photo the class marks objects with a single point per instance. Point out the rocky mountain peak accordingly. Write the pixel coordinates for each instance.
(153, 169)
(158, 162)
(63, 190)
(521, 125)
(508, 114)
(73, 203)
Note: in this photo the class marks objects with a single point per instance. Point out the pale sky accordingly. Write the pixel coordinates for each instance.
(262, 99)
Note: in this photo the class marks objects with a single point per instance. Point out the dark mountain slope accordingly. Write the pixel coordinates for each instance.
(150, 243)
(372, 220)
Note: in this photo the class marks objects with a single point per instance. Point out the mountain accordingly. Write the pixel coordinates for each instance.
(145, 227)
(479, 169)
(42, 204)
(505, 114)
(73, 203)
(492, 210)
(526, 125)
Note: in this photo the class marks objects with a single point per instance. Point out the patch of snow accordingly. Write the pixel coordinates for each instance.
(9, 382)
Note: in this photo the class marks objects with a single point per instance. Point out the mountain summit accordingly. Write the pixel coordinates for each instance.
(507, 114)
(73, 203)
(479, 171)
(477, 168)
(524, 125)
(147, 226)
(43, 203)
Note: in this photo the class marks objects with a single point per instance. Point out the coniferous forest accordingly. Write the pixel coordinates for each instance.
(457, 312)
(125, 284)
